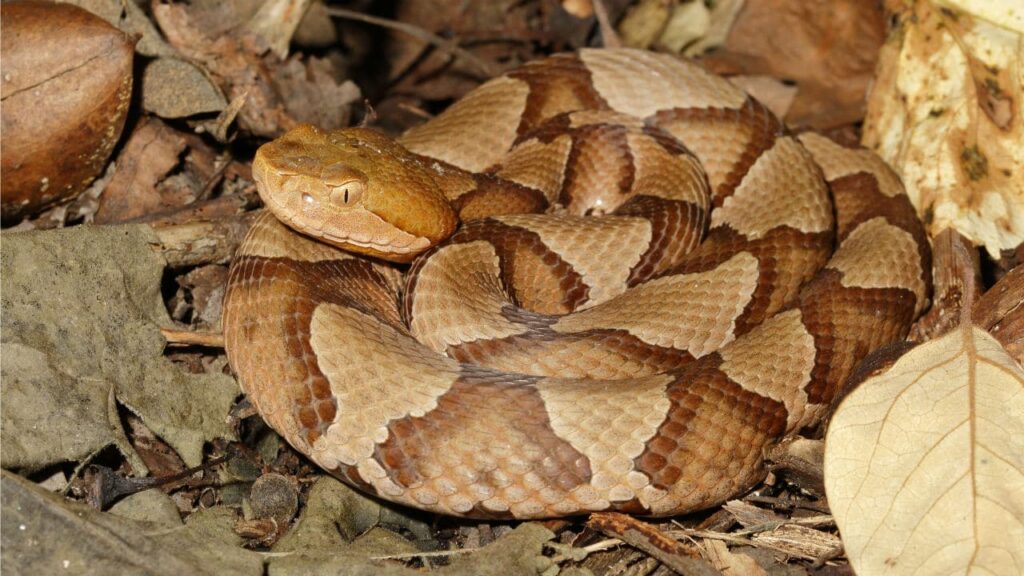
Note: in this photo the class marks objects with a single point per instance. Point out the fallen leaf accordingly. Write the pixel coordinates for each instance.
(749, 515)
(432, 73)
(335, 514)
(924, 463)
(84, 304)
(311, 93)
(130, 18)
(200, 297)
(174, 88)
(721, 17)
(945, 113)
(688, 22)
(644, 22)
(275, 23)
(956, 270)
(316, 30)
(799, 459)
(1008, 13)
(148, 506)
(93, 542)
(150, 153)
(339, 532)
(730, 563)
(48, 415)
(239, 71)
(827, 48)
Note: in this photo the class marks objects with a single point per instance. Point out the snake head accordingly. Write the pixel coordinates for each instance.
(355, 189)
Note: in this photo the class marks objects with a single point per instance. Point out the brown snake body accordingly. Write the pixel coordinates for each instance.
(599, 356)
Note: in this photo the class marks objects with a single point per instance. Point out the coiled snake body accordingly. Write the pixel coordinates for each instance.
(596, 357)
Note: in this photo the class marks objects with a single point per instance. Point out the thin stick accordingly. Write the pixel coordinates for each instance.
(181, 338)
(652, 541)
(198, 243)
(609, 37)
(434, 554)
(416, 32)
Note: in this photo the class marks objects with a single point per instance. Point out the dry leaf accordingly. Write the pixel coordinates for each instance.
(687, 23)
(174, 88)
(241, 74)
(644, 23)
(276, 21)
(1008, 13)
(945, 112)
(721, 17)
(130, 18)
(82, 312)
(316, 30)
(924, 463)
(311, 92)
(827, 48)
(800, 542)
(730, 563)
(150, 153)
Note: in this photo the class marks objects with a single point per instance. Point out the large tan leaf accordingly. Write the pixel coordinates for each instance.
(924, 463)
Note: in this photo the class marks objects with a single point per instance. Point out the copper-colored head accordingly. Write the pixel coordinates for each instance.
(355, 189)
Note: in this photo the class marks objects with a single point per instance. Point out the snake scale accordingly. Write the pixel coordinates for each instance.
(627, 279)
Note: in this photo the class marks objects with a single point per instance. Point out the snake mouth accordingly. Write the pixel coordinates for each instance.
(401, 242)
(354, 228)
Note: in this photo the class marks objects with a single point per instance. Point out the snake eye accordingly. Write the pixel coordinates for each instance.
(348, 193)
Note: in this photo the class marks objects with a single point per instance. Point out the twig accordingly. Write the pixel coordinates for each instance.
(434, 554)
(416, 32)
(956, 269)
(568, 552)
(812, 522)
(743, 540)
(686, 532)
(1001, 312)
(788, 504)
(609, 37)
(198, 243)
(107, 486)
(652, 541)
(416, 110)
(182, 338)
(228, 206)
(215, 178)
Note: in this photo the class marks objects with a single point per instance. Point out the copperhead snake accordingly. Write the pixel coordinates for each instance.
(702, 284)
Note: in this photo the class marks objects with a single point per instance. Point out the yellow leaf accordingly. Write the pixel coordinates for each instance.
(1006, 13)
(924, 464)
(945, 112)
